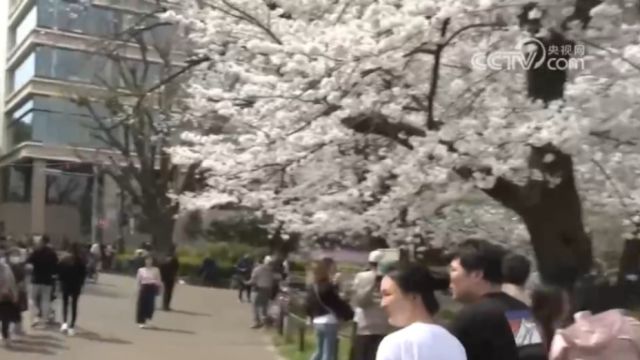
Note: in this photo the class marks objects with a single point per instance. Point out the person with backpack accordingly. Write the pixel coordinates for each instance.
(326, 309)
(372, 324)
(72, 273)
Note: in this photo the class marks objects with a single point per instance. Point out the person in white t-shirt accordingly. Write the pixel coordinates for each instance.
(408, 299)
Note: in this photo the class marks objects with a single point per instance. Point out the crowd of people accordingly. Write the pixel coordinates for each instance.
(504, 315)
(32, 277)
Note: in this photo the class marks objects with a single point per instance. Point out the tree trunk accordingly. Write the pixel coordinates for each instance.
(553, 217)
(562, 247)
(162, 232)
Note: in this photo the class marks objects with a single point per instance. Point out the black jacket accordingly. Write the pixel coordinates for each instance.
(45, 265)
(324, 299)
(72, 272)
(169, 269)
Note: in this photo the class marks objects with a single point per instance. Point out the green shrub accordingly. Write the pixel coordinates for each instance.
(189, 265)
(228, 254)
(298, 267)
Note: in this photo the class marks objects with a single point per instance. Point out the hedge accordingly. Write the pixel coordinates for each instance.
(226, 255)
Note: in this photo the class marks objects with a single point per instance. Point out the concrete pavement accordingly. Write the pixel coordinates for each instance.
(206, 324)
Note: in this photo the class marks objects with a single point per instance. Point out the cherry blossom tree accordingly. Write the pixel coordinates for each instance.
(372, 116)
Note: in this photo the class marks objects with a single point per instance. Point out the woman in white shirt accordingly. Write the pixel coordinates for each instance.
(408, 299)
(149, 285)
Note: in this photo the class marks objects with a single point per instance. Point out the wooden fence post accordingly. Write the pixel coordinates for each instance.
(301, 333)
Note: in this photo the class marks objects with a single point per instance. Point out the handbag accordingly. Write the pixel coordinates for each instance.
(342, 313)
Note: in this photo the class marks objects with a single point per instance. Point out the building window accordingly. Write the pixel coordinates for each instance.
(78, 17)
(23, 73)
(53, 121)
(24, 28)
(16, 184)
(77, 66)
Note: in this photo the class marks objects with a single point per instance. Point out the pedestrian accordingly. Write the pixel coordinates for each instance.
(409, 300)
(606, 335)
(243, 268)
(8, 299)
(110, 253)
(515, 272)
(169, 274)
(149, 286)
(475, 280)
(326, 309)
(551, 308)
(95, 264)
(261, 279)
(72, 274)
(16, 261)
(371, 321)
(44, 261)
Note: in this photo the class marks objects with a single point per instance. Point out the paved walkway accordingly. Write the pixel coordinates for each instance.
(207, 324)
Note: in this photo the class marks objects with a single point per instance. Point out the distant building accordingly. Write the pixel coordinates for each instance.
(48, 52)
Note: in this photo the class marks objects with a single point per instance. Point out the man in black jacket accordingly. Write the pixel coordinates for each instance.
(45, 266)
(169, 273)
(482, 325)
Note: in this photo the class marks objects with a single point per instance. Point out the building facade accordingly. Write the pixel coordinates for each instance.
(50, 51)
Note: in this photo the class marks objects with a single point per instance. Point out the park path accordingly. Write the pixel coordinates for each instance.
(206, 324)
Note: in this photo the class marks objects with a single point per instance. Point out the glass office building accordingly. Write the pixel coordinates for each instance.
(50, 52)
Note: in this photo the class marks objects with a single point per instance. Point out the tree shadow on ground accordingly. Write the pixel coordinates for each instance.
(93, 336)
(189, 313)
(176, 331)
(37, 344)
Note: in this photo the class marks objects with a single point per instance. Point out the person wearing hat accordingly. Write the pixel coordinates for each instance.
(371, 321)
(261, 279)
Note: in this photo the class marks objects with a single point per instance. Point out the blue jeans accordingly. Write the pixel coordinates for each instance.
(260, 305)
(327, 342)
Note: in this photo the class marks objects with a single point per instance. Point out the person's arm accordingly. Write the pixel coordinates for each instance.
(158, 278)
(335, 303)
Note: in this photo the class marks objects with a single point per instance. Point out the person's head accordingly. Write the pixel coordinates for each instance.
(374, 258)
(148, 261)
(45, 241)
(407, 295)
(323, 271)
(515, 269)
(476, 269)
(268, 260)
(551, 308)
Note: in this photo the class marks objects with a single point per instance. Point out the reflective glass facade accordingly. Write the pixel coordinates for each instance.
(83, 18)
(57, 120)
(52, 121)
